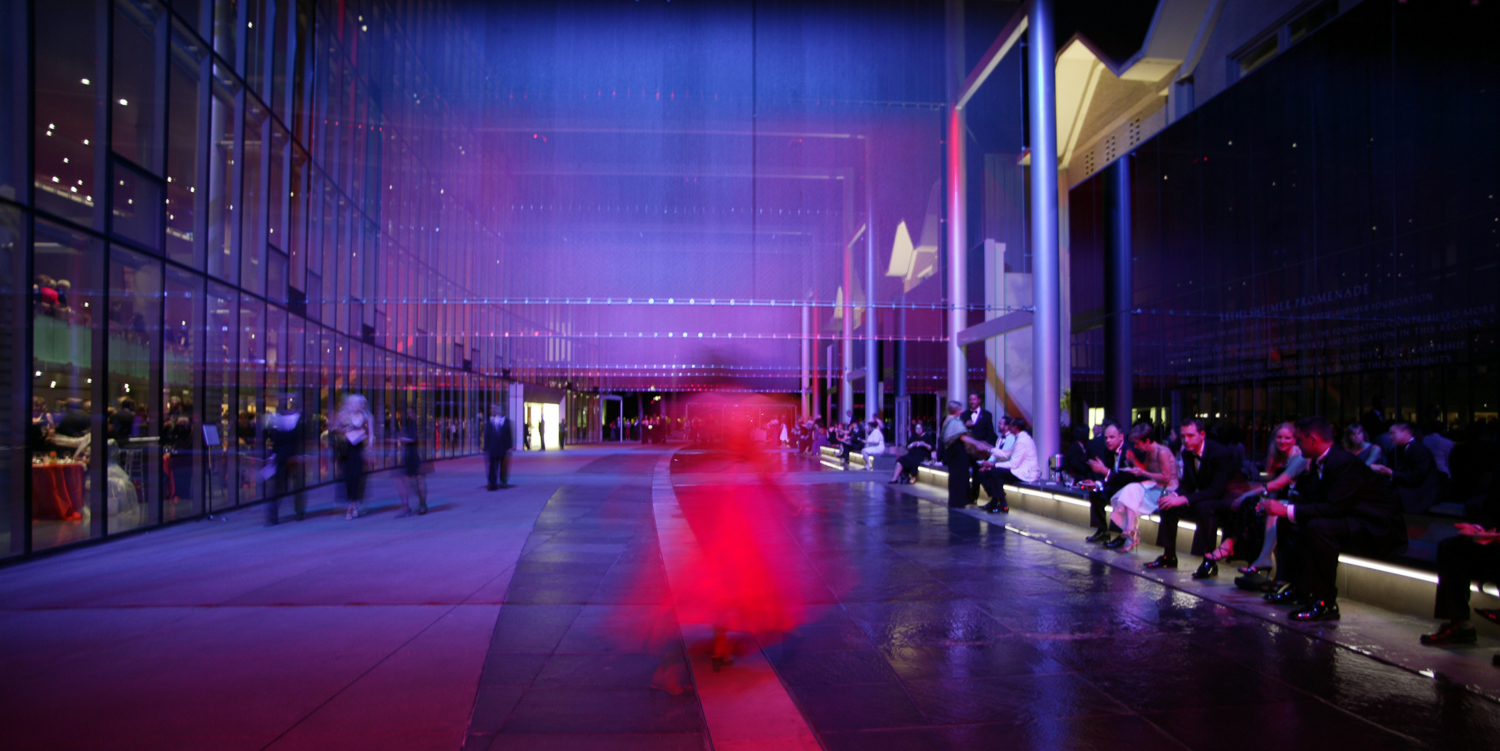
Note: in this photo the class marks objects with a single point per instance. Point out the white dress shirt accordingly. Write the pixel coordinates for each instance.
(1020, 460)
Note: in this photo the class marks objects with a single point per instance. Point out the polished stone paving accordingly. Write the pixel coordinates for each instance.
(528, 618)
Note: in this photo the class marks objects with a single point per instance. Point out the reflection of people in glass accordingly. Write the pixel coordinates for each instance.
(351, 426)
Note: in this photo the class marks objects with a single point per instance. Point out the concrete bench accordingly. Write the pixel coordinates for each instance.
(1392, 585)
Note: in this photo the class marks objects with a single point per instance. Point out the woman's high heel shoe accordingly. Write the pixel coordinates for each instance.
(1132, 539)
(1226, 549)
(1253, 570)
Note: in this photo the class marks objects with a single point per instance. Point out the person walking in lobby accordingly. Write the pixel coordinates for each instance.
(351, 426)
(412, 480)
(498, 442)
(284, 433)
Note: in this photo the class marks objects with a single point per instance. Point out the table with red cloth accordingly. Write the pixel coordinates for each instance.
(57, 490)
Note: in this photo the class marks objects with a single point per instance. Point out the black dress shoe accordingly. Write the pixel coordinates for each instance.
(1101, 535)
(995, 508)
(1449, 634)
(1117, 543)
(1256, 582)
(1285, 594)
(1163, 561)
(1491, 615)
(1321, 610)
(1206, 570)
(1496, 660)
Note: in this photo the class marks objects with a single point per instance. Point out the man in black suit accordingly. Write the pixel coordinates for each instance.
(1202, 494)
(1105, 460)
(1413, 470)
(498, 442)
(1471, 554)
(1342, 507)
(981, 425)
(75, 423)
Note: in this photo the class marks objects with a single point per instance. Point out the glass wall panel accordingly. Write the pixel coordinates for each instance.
(248, 435)
(69, 109)
(223, 176)
(133, 473)
(226, 20)
(257, 34)
(135, 206)
(185, 82)
(220, 366)
(193, 12)
(253, 241)
(67, 474)
(181, 431)
(16, 433)
(139, 84)
(14, 37)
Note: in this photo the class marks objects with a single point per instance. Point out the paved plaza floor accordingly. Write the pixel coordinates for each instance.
(531, 618)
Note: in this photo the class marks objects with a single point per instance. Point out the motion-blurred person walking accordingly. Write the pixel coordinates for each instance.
(352, 426)
(498, 442)
(284, 433)
(411, 481)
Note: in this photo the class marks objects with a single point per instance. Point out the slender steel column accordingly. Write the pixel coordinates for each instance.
(958, 272)
(1118, 292)
(1041, 71)
(872, 367)
(806, 350)
(958, 242)
(846, 351)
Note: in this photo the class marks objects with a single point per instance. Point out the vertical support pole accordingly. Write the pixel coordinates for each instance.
(806, 351)
(1118, 293)
(846, 390)
(958, 276)
(1041, 70)
(958, 243)
(872, 363)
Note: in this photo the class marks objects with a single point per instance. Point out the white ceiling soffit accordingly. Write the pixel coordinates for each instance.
(1086, 77)
(1174, 33)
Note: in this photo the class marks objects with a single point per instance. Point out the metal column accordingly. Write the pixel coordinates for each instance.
(846, 351)
(806, 350)
(958, 246)
(872, 367)
(1118, 293)
(1041, 71)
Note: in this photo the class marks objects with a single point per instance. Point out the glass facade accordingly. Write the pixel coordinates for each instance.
(1319, 235)
(208, 244)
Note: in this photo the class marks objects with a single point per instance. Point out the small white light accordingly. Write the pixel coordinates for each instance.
(85, 82)
(39, 374)
(124, 103)
(65, 160)
(54, 385)
(85, 142)
(54, 179)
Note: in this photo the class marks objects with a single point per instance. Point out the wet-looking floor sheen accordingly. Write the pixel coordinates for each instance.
(532, 618)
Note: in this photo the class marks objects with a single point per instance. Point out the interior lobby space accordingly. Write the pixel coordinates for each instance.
(728, 374)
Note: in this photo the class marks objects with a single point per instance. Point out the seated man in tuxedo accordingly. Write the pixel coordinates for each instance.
(1106, 460)
(1413, 470)
(1203, 495)
(1342, 507)
(1473, 553)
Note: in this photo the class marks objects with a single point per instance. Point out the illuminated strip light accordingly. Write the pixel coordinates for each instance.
(830, 465)
(1386, 568)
